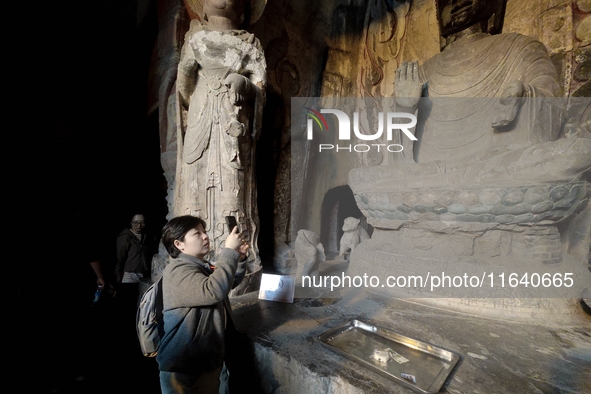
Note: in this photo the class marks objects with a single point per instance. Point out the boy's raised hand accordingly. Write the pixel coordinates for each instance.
(235, 240)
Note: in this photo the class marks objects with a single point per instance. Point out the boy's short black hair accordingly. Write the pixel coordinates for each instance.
(176, 229)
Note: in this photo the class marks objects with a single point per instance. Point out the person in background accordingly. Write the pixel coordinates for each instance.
(197, 312)
(134, 251)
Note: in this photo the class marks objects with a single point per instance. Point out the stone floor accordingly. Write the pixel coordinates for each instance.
(496, 356)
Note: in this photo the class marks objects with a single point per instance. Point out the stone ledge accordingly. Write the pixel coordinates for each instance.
(497, 356)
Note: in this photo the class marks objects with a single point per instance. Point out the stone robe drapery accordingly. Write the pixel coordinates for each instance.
(457, 144)
(464, 84)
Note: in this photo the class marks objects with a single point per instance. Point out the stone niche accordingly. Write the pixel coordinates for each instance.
(339, 204)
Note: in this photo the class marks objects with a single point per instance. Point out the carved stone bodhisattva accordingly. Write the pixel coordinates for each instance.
(221, 82)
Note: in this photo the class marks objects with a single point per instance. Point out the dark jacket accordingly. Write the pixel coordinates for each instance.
(133, 255)
(196, 310)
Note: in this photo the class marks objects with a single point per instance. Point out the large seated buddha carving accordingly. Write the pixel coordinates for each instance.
(491, 178)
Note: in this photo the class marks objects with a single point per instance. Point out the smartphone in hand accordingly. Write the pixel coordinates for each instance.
(231, 222)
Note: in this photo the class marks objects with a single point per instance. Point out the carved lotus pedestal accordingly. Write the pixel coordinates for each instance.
(508, 252)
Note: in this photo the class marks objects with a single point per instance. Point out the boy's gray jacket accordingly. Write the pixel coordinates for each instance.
(194, 314)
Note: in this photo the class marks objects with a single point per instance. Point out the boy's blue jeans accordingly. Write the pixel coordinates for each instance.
(211, 382)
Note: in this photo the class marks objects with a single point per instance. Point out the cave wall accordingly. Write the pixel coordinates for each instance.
(345, 48)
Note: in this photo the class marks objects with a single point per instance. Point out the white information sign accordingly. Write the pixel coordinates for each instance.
(277, 288)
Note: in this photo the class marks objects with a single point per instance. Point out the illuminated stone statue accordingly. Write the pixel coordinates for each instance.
(487, 107)
(221, 82)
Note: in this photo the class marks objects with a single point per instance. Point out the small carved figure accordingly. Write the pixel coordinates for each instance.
(159, 262)
(353, 235)
(309, 253)
(284, 258)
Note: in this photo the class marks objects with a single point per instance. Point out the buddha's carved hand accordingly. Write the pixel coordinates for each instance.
(507, 107)
(408, 86)
(239, 88)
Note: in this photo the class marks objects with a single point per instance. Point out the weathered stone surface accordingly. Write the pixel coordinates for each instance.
(556, 29)
(520, 209)
(353, 234)
(172, 20)
(534, 195)
(505, 219)
(512, 197)
(584, 90)
(396, 215)
(439, 210)
(558, 193)
(497, 358)
(542, 207)
(583, 69)
(456, 208)
(518, 17)
(584, 5)
(583, 32)
(490, 198)
(467, 217)
(284, 259)
(422, 23)
(468, 198)
(309, 254)
(556, 202)
(525, 218)
(421, 208)
(405, 208)
(448, 217)
(430, 216)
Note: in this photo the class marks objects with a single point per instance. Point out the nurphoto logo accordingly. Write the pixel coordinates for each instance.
(390, 119)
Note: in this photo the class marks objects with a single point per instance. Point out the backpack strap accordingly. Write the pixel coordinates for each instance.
(160, 306)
